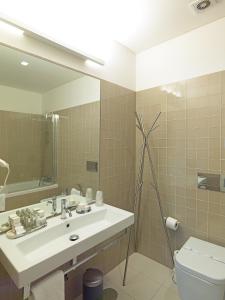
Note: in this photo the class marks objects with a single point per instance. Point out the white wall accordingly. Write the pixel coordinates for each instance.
(196, 53)
(80, 91)
(17, 100)
(119, 67)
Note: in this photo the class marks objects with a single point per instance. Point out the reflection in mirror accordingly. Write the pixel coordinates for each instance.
(49, 128)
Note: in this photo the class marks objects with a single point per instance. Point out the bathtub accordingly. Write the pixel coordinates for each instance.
(27, 187)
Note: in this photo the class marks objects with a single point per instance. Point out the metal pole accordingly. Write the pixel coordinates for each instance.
(138, 192)
(155, 183)
(137, 206)
(127, 258)
(159, 200)
(137, 199)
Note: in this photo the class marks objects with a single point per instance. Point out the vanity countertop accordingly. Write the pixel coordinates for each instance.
(30, 257)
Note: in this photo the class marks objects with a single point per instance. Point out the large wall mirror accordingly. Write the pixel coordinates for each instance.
(49, 125)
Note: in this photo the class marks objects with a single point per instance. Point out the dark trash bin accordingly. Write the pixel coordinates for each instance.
(92, 284)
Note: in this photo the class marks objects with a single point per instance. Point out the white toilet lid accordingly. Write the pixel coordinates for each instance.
(202, 259)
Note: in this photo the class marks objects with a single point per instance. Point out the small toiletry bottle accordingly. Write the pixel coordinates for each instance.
(41, 220)
(89, 195)
(99, 198)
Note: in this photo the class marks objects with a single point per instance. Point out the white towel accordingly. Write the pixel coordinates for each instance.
(49, 288)
(2, 202)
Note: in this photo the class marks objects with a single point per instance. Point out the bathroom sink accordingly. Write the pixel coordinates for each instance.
(29, 258)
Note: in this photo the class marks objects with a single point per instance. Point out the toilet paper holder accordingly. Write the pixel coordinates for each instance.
(173, 224)
(165, 218)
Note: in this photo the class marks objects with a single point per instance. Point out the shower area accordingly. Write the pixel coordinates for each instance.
(151, 237)
(33, 165)
(188, 138)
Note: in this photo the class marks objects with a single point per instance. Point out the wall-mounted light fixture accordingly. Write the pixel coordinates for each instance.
(9, 28)
(22, 29)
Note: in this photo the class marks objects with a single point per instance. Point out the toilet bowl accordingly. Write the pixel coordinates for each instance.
(200, 271)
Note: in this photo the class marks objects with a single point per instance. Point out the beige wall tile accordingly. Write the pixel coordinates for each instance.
(194, 141)
(24, 138)
(78, 142)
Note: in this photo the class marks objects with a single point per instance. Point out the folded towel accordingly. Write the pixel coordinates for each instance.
(49, 288)
(2, 202)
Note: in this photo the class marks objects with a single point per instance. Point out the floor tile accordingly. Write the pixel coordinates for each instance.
(146, 280)
(141, 287)
(138, 285)
(121, 295)
(167, 293)
(149, 267)
(116, 275)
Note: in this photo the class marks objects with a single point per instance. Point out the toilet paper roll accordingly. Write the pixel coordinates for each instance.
(172, 223)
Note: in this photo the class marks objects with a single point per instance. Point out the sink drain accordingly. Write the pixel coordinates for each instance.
(74, 237)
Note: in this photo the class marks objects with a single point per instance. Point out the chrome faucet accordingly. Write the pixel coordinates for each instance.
(65, 210)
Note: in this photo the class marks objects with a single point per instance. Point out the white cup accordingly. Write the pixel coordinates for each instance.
(99, 198)
(89, 195)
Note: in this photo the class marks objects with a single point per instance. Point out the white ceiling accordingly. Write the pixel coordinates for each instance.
(39, 76)
(89, 24)
(166, 19)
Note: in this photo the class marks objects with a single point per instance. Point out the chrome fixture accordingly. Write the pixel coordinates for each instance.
(145, 153)
(68, 210)
(80, 188)
(211, 182)
(83, 209)
(53, 201)
(74, 237)
(65, 210)
(45, 181)
(54, 119)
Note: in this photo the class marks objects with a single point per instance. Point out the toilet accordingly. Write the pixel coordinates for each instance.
(200, 270)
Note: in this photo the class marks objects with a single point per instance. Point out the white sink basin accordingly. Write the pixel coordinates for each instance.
(28, 258)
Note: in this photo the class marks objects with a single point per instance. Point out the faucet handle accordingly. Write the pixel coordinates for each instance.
(54, 198)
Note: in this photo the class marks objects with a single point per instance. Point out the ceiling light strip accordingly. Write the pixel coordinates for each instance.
(48, 40)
